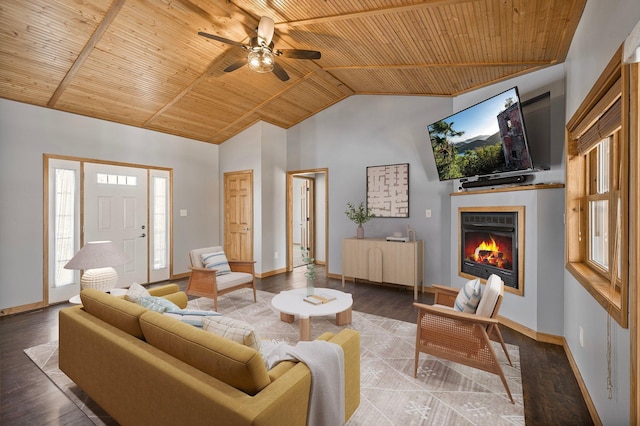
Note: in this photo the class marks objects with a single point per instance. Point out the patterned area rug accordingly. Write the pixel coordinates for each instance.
(444, 393)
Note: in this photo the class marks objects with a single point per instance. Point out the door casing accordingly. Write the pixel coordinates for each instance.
(289, 208)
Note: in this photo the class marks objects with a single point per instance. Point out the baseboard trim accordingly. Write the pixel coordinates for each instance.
(583, 387)
(561, 341)
(181, 276)
(20, 309)
(271, 273)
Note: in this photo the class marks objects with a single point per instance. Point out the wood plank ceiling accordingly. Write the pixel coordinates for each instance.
(142, 63)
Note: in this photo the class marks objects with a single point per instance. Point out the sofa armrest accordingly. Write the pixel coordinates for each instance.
(163, 290)
(349, 340)
(172, 293)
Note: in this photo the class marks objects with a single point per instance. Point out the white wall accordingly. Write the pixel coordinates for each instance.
(27, 132)
(261, 148)
(366, 131)
(603, 28)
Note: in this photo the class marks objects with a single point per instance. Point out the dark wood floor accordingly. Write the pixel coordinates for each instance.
(551, 393)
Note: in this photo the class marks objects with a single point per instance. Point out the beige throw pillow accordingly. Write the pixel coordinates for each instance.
(238, 331)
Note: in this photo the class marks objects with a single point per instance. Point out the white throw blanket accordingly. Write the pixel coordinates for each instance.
(326, 362)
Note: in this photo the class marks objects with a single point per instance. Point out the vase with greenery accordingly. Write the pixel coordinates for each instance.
(310, 273)
(359, 215)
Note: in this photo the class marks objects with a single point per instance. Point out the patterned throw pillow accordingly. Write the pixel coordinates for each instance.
(468, 297)
(158, 304)
(135, 292)
(238, 331)
(191, 317)
(217, 261)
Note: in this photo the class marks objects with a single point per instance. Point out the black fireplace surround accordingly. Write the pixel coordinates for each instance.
(489, 245)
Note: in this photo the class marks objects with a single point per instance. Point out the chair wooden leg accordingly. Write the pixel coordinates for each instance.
(501, 340)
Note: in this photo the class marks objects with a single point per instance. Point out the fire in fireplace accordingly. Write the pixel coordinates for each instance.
(489, 245)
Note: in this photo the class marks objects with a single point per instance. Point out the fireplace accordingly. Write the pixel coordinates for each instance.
(491, 242)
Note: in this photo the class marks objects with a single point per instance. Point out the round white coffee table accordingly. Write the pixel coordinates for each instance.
(291, 303)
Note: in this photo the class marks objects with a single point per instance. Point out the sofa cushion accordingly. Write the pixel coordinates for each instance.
(232, 329)
(218, 261)
(113, 310)
(233, 279)
(232, 363)
(468, 297)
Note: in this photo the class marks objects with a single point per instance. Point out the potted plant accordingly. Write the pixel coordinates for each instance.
(359, 215)
(310, 274)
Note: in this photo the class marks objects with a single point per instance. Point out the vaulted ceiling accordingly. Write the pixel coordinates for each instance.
(142, 62)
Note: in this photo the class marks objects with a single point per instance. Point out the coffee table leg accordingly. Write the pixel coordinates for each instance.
(305, 328)
(344, 317)
(286, 317)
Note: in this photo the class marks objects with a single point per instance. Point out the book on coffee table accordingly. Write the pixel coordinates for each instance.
(317, 299)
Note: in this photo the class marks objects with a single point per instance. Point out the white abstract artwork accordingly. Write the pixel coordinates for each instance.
(388, 190)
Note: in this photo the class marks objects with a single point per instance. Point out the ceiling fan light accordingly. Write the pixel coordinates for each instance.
(260, 61)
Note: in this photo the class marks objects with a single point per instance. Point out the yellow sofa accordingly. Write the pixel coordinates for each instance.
(143, 367)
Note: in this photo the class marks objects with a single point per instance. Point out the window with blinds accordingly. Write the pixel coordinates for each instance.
(597, 194)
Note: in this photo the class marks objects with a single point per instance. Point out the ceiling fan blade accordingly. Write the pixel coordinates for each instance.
(236, 65)
(280, 72)
(265, 29)
(222, 39)
(299, 54)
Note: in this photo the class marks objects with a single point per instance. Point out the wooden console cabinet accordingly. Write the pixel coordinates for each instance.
(379, 260)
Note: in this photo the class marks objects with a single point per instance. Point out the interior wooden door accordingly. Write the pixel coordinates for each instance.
(306, 215)
(238, 215)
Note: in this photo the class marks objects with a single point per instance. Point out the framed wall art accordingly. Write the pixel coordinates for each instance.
(388, 190)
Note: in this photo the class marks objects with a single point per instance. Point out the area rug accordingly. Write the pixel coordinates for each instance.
(444, 393)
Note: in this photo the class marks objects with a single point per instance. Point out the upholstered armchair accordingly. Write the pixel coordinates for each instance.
(213, 275)
(463, 337)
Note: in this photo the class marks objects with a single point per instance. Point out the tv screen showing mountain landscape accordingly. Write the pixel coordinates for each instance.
(487, 138)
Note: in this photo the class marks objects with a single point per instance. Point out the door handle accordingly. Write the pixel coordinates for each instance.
(143, 235)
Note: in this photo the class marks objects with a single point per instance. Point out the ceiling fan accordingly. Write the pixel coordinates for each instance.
(261, 56)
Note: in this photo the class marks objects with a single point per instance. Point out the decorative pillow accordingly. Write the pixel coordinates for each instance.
(468, 297)
(158, 304)
(238, 331)
(217, 261)
(191, 316)
(135, 292)
(490, 295)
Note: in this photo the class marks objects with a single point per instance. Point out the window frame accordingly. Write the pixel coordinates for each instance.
(612, 85)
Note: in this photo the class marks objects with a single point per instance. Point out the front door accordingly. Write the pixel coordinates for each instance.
(238, 215)
(115, 209)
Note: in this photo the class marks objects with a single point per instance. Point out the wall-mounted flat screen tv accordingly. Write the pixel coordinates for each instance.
(486, 139)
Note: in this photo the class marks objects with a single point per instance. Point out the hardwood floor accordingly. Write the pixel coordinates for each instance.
(551, 392)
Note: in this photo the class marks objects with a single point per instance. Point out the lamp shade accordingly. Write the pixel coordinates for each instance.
(97, 254)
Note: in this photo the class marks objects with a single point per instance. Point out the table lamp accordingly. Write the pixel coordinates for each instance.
(97, 258)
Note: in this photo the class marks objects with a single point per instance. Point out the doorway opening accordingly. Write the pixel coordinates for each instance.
(307, 216)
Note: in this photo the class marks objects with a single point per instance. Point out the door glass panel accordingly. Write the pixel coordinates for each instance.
(160, 220)
(64, 225)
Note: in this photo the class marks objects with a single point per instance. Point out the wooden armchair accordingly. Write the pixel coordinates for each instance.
(205, 282)
(463, 337)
